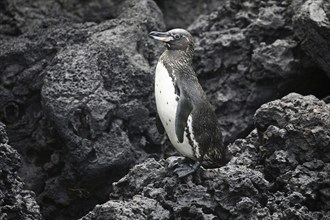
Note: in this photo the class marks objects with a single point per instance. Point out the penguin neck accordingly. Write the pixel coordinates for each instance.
(177, 57)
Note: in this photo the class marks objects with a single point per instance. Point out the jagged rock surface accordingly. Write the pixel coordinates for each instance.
(247, 54)
(72, 150)
(298, 121)
(15, 201)
(139, 207)
(312, 27)
(21, 16)
(98, 103)
(182, 13)
(275, 173)
(98, 94)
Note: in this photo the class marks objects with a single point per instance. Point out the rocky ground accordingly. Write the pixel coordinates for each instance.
(76, 98)
(15, 201)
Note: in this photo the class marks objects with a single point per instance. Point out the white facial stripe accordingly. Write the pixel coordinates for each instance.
(186, 38)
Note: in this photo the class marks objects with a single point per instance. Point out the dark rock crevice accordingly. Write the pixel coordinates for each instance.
(16, 202)
(76, 94)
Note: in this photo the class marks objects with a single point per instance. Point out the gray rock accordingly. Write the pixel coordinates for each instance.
(15, 201)
(312, 27)
(96, 91)
(17, 16)
(3, 134)
(265, 179)
(295, 134)
(219, 193)
(208, 195)
(295, 120)
(246, 55)
(71, 153)
(91, 127)
(23, 61)
(98, 94)
(183, 13)
(139, 208)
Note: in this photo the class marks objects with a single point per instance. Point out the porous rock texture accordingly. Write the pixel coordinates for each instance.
(247, 54)
(77, 100)
(180, 14)
(98, 94)
(281, 170)
(312, 27)
(20, 16)
(15, 201)
(76, 95)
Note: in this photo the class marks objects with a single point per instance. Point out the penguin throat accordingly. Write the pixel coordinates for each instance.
(178, 57)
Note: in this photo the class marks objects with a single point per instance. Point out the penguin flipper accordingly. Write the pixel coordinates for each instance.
(159, 125)
(183, 111)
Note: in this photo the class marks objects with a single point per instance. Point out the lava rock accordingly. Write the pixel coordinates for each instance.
(265, 179)
(228, 191)
(71, 153)
(295, 135)
(93, 90)
(18, 17)
(31, 133)
(182, 13)
(247, 54)
(139, 208)
(98, 93)
(15, 201)
(22, 63)
(210, 194)
(95, 116)
(312, 27)
(295, 120)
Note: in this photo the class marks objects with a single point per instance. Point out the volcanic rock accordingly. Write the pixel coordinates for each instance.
(274, 174)
(312, 27)
(21, 16)
(139, 207)
(247, 54)
(182, 13)
(296, 121)
(15, 201)
(93, 122)
(98, 94)
(76, 95)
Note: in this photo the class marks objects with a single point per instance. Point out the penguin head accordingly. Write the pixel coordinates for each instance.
(175, 39)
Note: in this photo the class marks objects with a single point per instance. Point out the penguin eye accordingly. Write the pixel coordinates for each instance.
(176, 36)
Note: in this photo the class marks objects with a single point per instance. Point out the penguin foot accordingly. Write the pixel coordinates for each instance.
(186, 169)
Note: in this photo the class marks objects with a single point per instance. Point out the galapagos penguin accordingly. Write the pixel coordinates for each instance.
(182, 106)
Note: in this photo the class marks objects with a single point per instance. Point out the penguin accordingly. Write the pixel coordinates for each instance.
(183, 110)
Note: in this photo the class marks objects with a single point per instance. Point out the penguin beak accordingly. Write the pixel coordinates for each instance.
(162, 36)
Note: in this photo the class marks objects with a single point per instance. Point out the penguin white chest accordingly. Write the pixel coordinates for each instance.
(167, 103)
